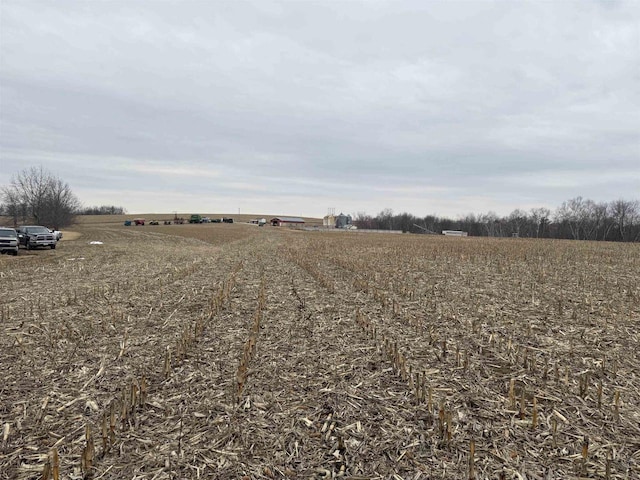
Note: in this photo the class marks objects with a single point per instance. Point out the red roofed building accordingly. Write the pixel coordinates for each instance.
(287, 221)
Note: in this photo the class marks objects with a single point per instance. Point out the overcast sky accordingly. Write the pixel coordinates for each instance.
(294, 107)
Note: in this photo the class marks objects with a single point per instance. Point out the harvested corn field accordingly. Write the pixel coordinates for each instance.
(232, 351)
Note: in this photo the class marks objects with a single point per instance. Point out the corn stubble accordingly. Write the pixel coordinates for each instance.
(516, 358)
(524, 340)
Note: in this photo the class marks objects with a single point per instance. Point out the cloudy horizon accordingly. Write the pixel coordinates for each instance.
(292, 108)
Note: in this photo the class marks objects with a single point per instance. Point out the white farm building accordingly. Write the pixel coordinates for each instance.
(455, 233)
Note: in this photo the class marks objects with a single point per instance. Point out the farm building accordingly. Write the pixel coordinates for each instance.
(343, 221)
(329, 221)
(286, 221)
(454, 233)
(337, 221)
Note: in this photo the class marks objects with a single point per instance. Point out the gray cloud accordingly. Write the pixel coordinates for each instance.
(424, 107)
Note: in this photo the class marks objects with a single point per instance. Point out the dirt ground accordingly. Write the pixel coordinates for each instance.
(237, 351)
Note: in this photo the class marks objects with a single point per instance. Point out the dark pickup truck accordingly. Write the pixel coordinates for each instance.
(34, 236)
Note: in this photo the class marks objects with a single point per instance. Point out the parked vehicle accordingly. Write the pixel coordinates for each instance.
(154, 222)
(57, 234)
(227, 220)
(138, 221)
(8, 241)
(195, 219)
(35, 236)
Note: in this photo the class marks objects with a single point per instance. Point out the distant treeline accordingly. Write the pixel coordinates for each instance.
(22, 213)
(102, 210)
(578, 219)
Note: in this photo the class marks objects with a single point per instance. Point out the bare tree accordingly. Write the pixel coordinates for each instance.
(625, 213)
(471, 223)
(385, 219)
(600, 221)
(517, 220)
(540, 219)
(491, 223)
(14, 207)
(362, 220)
(589, 219)
(61, 204)
(572, 213)
(36, 194)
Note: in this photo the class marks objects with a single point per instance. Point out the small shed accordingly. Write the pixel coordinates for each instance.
(286, 221)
